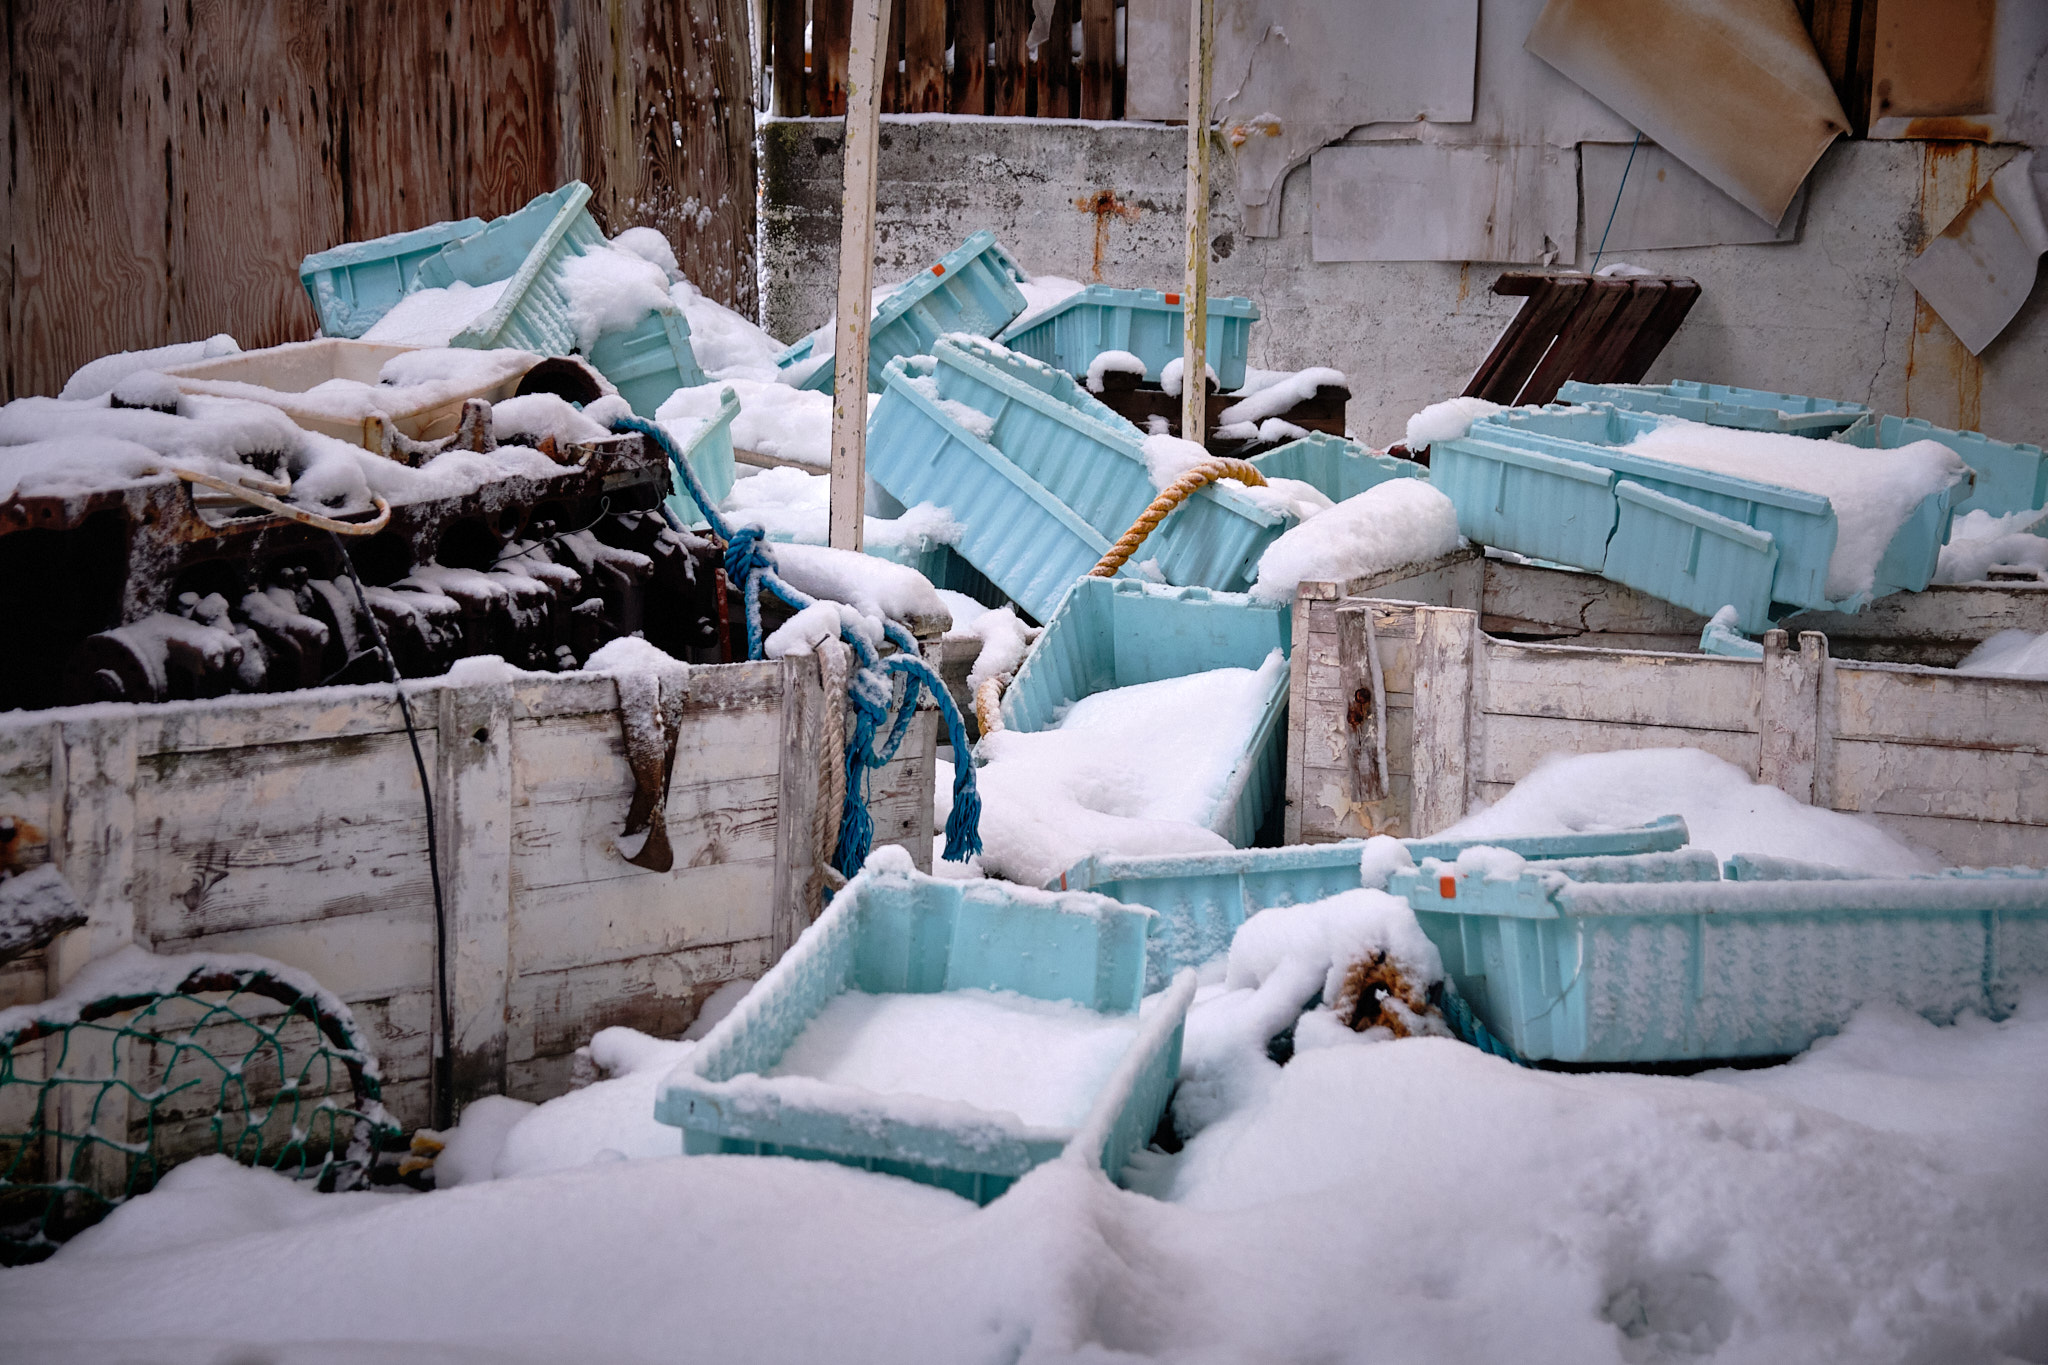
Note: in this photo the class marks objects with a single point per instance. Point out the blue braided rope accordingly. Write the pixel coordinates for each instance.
(870, 693)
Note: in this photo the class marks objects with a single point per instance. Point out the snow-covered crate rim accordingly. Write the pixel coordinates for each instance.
(1318, 458)
(1063, 399)
(391, 244)
(895, 931)
(354, 284)
(1625, 974)
(940, 273)
(1110, 296)
(1722, 405)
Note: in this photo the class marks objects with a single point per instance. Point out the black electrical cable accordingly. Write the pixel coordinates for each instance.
(444, 1086)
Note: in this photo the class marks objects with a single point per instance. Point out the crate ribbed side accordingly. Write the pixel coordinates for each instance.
(1335, 467)
(649, 361)
(1534, 504)
(1691, 557)
(2010, 476)
(1722, 405)
(1071, 333)
(355, 284)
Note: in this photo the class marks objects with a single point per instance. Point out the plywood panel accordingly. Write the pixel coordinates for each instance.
(1936, 707)
(1516, 744)
(1695, 692)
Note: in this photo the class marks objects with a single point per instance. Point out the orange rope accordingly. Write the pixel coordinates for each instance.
(1174, 494)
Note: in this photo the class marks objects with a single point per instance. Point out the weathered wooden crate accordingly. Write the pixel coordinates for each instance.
(292, 826)
(1958, 764)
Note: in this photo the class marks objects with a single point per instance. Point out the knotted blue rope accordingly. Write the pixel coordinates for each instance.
(871, 694)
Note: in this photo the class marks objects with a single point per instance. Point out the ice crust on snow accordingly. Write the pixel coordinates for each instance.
(1447, 421)
(1273, 399)
(1132, 770)
(1871, 491)
(1401, 521)
(432, 317)
(1722, 807)
(1041, 1061)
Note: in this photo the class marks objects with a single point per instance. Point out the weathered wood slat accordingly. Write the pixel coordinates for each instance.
(970, 36)
(1694, 691)
(1009, 25)
(554, 1013)
(1930, 707)
(786, 58)
(1516, 744)
(650, 913)
(1970, 843)
(924, 55)
(831, 30)
(1954, 783)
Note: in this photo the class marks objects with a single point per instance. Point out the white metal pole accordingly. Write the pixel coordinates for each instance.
(864, 76)
(1194, 388)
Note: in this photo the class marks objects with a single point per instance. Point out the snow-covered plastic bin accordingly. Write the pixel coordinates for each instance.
(1335, 467)
(1580, 972)
(1722, 405)
(1110, 633)
(709, 451)
(284, 377)
(2010, 476)
(525, 248)
(1026, 541)
(1801, 525)
(1093, 461)
(1691, 557)
(971, 289)
(1541, 505)
(648, 362)
(898, 932)
(1145, 322)
(1201, 898)
(356, 283)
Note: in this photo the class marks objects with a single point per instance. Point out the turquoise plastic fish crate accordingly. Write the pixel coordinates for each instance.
(1633, 973)
(1145, 322)
(709, 451)
(971, 289)
(1025, 540)
(1093, 461)
(526, 249)
(1201, 898)
(1110, 633)
(355, 284)
(1541, 505)
(649, 362)
(1722, 405)
(1691, 557)
(900, 932)
(1335, 467)
(2010, 477)
(1802, 525)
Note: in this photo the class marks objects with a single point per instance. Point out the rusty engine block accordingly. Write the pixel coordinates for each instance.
(144, 592)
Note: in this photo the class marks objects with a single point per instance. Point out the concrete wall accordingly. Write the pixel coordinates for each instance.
(1828, 314)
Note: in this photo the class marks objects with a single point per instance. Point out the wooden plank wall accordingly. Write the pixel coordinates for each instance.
(169, 165)
(995, 69)
(1956, 764)
(293, 827)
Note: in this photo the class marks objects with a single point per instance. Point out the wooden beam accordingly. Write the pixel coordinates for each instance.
(786, 38)
(865, 69)
(970, 56)
(1194, 386)
(1098, 59)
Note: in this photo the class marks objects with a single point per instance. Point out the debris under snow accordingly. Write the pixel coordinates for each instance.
(609, 290)
(97, 377)
(788, 504)
(1004, 637)
(1113, 362)
(1447, 421)
(1979, 542)
(1169, 375)
(1401, 521)
(1283, 395)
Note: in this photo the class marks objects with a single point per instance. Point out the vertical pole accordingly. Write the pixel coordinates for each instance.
(864, 77)
(1194, 387)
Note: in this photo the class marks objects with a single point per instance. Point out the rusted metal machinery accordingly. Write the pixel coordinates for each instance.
(155, 590)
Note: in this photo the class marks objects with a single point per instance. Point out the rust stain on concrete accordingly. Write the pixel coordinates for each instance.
(1104, 205)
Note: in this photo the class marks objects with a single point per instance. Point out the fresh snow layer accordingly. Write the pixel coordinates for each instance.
(432, 317)
(533, 417)
(1725, 811)
(609, 290)
(773, 420)
(1401, 521)
(1112, 362)
(872, 586)
(1872, 491)
(97, 377)
(727, 345)
(1132, 770)
(2009, 654)
(650, 246)
(1978, 540)
(1005, 639)
(1042, 1061)
(1881, 1200)
(1275, 398)
(788, 504)
(1169, 374)
(1447, 421)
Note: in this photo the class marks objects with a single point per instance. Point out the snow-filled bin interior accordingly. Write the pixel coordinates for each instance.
(1612, 971)
(1146, 323)
(2011, 476)
(1095, 463)
(1722, 405)
(1116, 633)
(339, 387)
(356, 283)
(527, 249)
(1335, 467)
(958, 1033)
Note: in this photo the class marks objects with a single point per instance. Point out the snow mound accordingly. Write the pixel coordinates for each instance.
(2009, 654)
(1112, 362)
(1447, 421)
(1275, 398)
(1401, 521)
